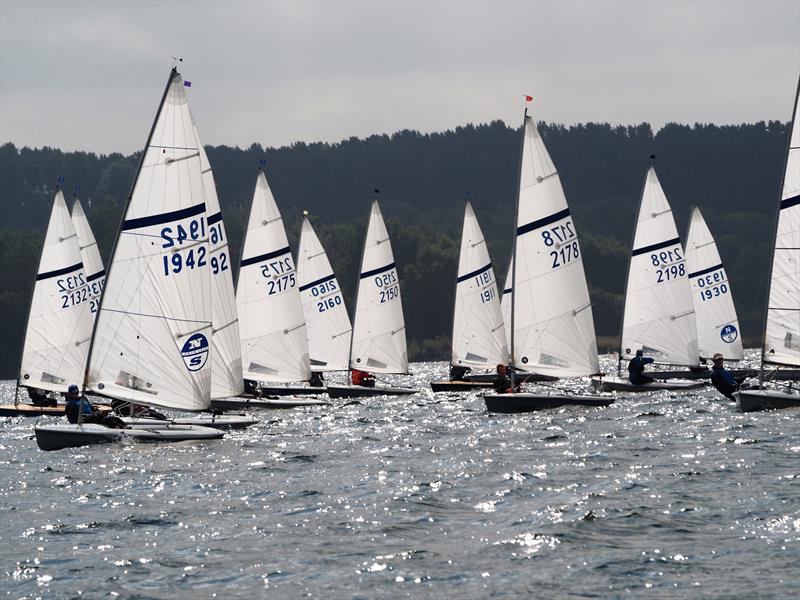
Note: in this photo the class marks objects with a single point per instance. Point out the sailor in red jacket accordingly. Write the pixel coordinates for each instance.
(362, 378)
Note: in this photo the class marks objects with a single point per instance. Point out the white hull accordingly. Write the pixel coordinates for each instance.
(242, 403)
(611, 383)
(357, 391)
(755, 400)
(66, 435)
(204, 420)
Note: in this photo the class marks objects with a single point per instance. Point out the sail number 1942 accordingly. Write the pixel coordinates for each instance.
(178, 235)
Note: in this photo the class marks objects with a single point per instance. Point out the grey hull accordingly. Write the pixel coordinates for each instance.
(459, 386)
(291, 390)
(610, 383)
(356, 391)
(242, 403)
(525, 402)
(66, 435)
(755, 400)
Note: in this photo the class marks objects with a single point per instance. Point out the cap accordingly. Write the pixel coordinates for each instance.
(73, 389)
(639, 353)
(717, 356)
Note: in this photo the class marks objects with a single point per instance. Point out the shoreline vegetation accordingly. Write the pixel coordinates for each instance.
(731, 172)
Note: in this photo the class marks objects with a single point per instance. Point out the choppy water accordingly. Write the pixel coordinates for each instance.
(660, 495)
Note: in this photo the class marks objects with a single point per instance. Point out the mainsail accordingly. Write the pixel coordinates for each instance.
(59, 322)
(717, 323)
(152, 335)
(553, 329)
(479, 338)
(327, 322)
(226, 351)
(90, 254)
(271, 321)
(659, 314)
(379, 331)
(782, 335)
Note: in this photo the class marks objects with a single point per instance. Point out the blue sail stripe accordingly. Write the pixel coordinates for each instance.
(538, 224)
(377, 271)
(58, 272)
(705, 271)
(267, 256)
(474, 273)
(655, 247)
(175, 215)
(317, 282)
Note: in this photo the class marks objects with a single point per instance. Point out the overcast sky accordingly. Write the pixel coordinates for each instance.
(89, 75)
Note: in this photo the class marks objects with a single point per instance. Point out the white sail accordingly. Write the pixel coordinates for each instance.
(379, 331)
(717, 323)
(226, 351)
(553, 328)
(782, 336)
(327, 322)
(271, 321)
(152, 336)
(505, 302)
(659, 314)
(479, 338)
(59, 322)
(90, 254)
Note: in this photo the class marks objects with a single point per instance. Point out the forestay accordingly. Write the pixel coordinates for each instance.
(152, 336)
(479, 338)
(90, 255)
(782, 336)
(553, 328)
(659, 314)
(327, 322)
(226, 352)
(379, 332)
(271, 321)
(717, 323)
(59, 322)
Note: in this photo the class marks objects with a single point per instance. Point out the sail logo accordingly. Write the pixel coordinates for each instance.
(729, 333)
(195, 352)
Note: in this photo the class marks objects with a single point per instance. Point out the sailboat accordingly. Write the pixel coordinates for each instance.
(226, 357)
(378, 342)
(151, 334)
(59, 323)
(272, 326)
(90, 255)
(659, 316)
(781, 346)
(712, 296)
(552, 329)
(478, 340)
(327, 322)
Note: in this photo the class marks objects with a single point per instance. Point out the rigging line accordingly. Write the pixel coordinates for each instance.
(164, 317)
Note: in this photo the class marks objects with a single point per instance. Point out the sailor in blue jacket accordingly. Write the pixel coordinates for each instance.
(636, 369)
(723, 380)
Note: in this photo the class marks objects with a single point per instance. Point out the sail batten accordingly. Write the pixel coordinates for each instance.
(158, 279)
(552, 331)
(271, 321)
(659, 311)
(378, 340)
(479, 339)
(327, 322)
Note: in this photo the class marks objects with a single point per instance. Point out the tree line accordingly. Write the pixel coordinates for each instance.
(732, 173)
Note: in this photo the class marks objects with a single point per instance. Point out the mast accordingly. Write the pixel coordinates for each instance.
(514, 247)
(775, 233)
(650, 162)
(173, 72)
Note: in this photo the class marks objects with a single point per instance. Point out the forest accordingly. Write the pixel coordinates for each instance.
(731, 172)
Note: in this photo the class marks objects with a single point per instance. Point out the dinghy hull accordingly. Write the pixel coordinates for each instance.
(242, 403)
(611, 383)
(291, 390)
(459, 386)
(525, 402)
(755, 400)
(66, 435)
(355, 391)
(206, 420)
(29, 410)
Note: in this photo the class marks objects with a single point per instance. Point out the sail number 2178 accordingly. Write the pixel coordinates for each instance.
(561, 238)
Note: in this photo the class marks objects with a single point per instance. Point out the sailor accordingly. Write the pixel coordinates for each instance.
(457, 372)
(362, 378)
(502, 384)
(129, 409)
(723, 380)
(317, 380)
(41, 397)
(636, 369)
(77, 403)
